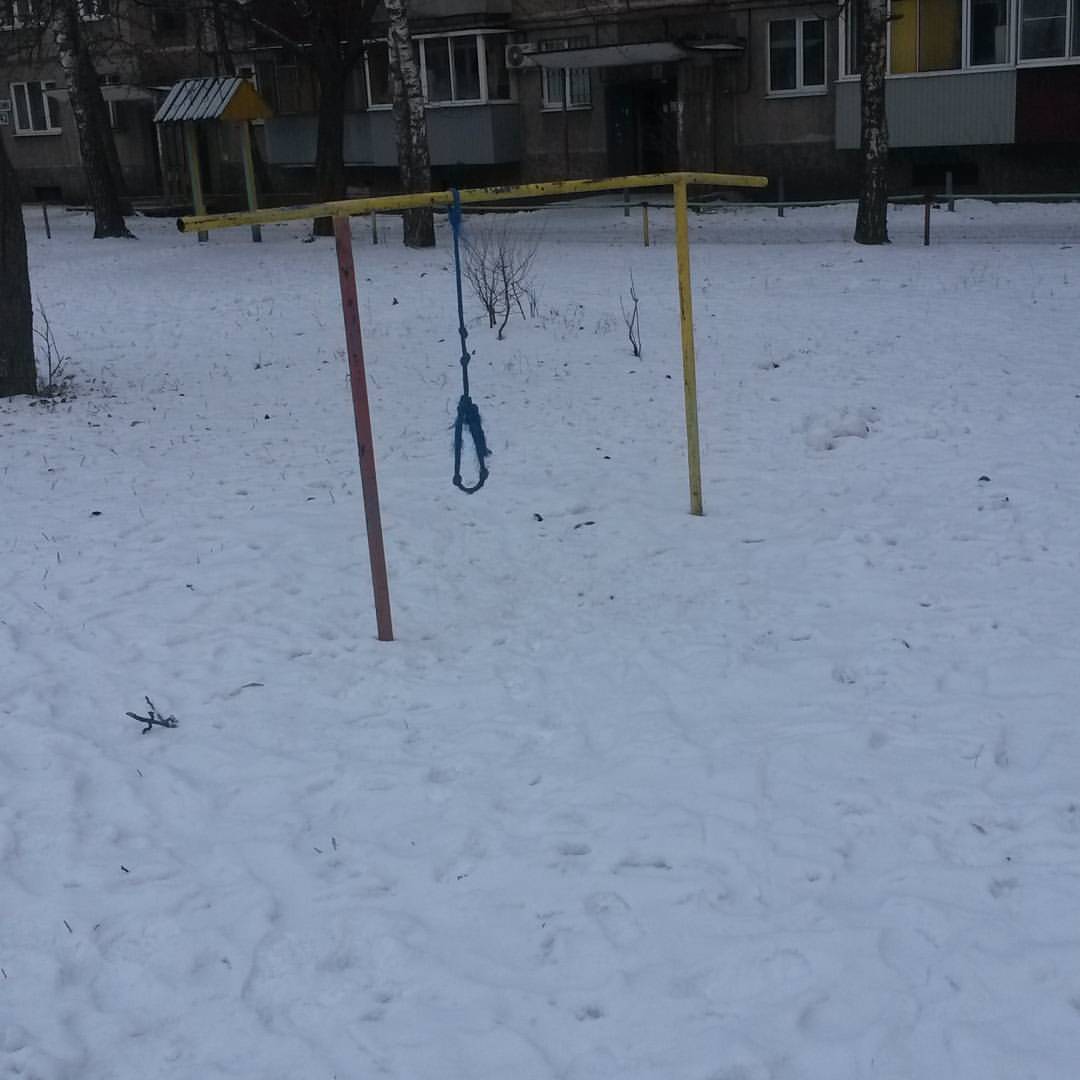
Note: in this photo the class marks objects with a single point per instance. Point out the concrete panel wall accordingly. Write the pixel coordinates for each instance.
(465, 135)
(973, 108)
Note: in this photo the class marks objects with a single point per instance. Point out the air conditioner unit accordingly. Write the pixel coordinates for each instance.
(517, 55)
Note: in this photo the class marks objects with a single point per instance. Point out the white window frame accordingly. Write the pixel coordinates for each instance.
(19, 13)
(1013, 56)
(549, 103)
(48, 104)
(482, 69)
(847, 65)
(801, 88)
(965, 13)
(382, 106)
(1010, 43)
(111, 79)
(1072, 13)
(421, 41)
(486, 89)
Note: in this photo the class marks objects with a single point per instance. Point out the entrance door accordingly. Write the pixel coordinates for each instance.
(641, 129)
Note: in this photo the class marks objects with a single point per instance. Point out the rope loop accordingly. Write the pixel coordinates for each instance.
(468, 415)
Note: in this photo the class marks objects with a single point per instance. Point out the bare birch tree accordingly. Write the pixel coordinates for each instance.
(414, 158)
(871, 221)
(100, 164)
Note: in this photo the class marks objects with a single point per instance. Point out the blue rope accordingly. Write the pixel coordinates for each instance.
(468, 415)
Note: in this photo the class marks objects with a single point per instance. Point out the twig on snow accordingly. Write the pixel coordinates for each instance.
(155, 719)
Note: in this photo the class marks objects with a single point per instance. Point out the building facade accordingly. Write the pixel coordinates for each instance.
(519, 90)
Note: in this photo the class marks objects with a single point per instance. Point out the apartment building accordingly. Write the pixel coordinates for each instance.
(517, 90)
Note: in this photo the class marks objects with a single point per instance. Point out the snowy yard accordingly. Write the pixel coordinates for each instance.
(787, 792)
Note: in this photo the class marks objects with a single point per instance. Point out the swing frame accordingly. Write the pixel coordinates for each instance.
(343, 209)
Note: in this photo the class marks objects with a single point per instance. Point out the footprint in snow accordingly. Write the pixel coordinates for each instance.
(611, 913)
(824, 432)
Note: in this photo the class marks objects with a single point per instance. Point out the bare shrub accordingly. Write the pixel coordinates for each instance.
(633, 324)
(50, 359)
(498, 267)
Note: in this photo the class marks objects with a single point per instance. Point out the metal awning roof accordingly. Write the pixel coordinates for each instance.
(228, 98)
(643, 52)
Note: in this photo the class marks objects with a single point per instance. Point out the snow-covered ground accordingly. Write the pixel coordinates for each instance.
(787, 792)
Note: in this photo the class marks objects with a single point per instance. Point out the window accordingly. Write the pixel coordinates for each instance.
(452, 68)
(35, 111)
(850, 35)
(90, 10)
(436, 61)
(569, 87)
(465, 68)
(796, 55)
(498, 75)
(114, 108)
(356, 90)
(925, 35)
(377, 62)
(943, 35)
(17, 13)
(455, 68)
(286, 88)
(988, 33)
(265, 81)
(1049, 29)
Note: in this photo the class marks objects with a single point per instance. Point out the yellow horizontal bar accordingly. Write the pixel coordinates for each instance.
(349, 207)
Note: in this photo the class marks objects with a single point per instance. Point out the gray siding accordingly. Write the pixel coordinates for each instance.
(974, 108)
(465, 135)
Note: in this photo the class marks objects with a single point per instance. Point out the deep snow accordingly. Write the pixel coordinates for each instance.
(791, 791)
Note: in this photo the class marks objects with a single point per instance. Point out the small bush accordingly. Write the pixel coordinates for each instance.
(498, 266)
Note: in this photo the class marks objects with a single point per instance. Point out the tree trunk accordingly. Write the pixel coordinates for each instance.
(414, 158)
(17, 372)
(871, 222)
(223, 57)
(89, 108)
(330, 140)
(101, 111)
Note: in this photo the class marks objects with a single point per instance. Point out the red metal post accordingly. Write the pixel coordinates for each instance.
(365, 444)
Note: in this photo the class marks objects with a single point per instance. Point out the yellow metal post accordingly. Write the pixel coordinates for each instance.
(686, 318)
(645, 223)
(191, 144)
(249, 177)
